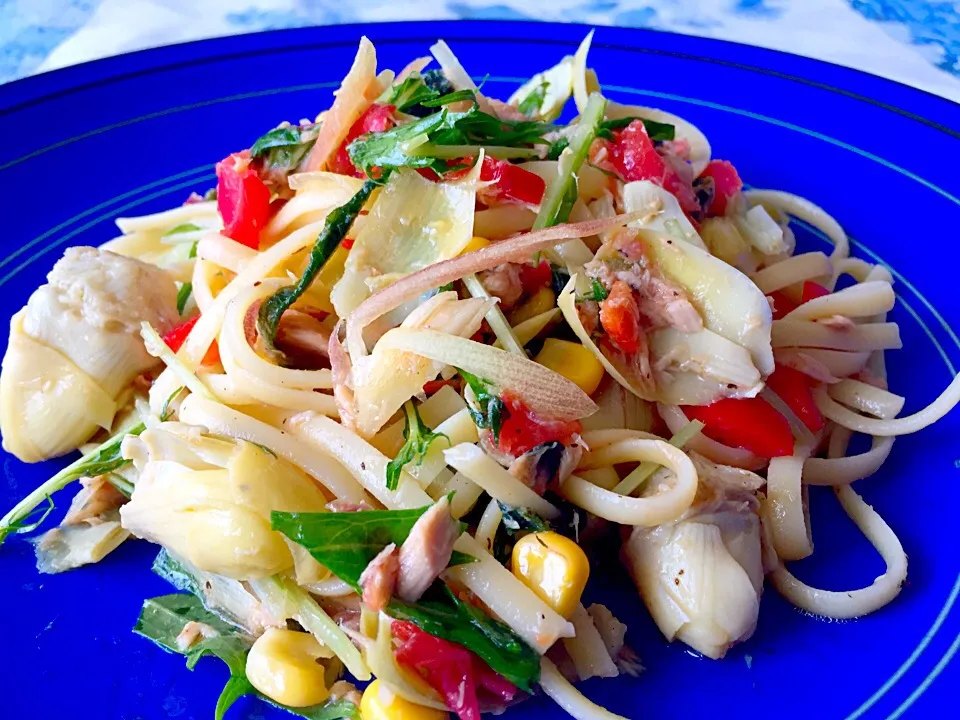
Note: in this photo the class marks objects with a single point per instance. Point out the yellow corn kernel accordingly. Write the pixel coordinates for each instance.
(538, 303)
(554, 567)
(573, 361)
(378, 703)
(476, 243)
(282, 664)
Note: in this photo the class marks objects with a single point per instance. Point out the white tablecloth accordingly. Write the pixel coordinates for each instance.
(914, 41)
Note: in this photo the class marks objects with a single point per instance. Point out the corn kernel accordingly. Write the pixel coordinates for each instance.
(554, 567)
(538, 303)
(282, 664)
(378, 703)
(476, 243)
(573, 361)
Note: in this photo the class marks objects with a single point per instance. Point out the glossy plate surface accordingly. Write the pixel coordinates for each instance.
(136, 133)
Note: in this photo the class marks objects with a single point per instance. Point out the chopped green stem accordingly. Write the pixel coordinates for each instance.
(557, 202)
(103, 459)
(644, 470)
(498, 322)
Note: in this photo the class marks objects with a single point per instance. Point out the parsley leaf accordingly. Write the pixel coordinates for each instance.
(491, 411)
(518, 518)
(409, 93)
(182, 228)
(530, 105)
(280, 152)
(335, 229)
(417, 437)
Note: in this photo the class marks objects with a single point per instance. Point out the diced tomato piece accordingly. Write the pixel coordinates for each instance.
(242, 199)
(749, 423)
(450, 669)
(620, 317)
(347, 243)
(176, 337)
(376, 118)
(812, 290)
(796, 390)
(511, 183)
(635, 157)
(534, 277)
(523, 430)
(432, 386)
(782, 304)
(726, 185)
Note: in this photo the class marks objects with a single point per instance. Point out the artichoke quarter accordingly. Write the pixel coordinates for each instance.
(208, 500)
(701, 576)
(76, 346)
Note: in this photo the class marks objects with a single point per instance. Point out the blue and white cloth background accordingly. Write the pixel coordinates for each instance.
(913, 41)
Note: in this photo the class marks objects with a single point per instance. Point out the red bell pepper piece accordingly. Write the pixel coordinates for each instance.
(620, 317)
(748, 423)
(242, 199)
(534, 277)
(726, 184)
(450, 669)
(635, 157)
(376, 118)
(782, 304)
(522, 430)
(176, 337)
(796, 390)
(811, 291)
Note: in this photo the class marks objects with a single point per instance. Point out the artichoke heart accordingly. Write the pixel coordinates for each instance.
(701, 576)
(76, 346)
(209, 500)
(48, 406)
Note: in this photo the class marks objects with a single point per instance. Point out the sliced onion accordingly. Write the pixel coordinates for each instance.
(581, 91)
(359, 88)
(545, 392)
(518, 249)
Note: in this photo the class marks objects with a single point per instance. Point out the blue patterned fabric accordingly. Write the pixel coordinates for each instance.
(913, 41)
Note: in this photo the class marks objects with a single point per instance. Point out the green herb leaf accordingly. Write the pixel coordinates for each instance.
(103, 459)
(163, 618)
(597, 292)
(278, 137)
(451, 97)
(193, 251)
(530, 105)
(516, 519)
(562, 191)
(347, 542)
(375, 152)
(184, 228)
(335, 229)
(183, 294)
(409, 93)
(494, 642)
(23, 526)
(459, 558)
(491, 411)
(280, 153)
(210, 194)
(656, 130)
(121, 484)
(417, 437)
(557, 148)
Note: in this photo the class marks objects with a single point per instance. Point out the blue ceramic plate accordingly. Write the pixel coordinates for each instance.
(136, 133)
